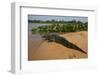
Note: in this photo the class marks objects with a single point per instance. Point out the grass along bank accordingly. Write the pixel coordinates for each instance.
(61, 28)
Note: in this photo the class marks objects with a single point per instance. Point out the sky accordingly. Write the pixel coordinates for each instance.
(57, 18)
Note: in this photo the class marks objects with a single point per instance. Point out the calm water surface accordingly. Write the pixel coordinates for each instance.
(34, 40)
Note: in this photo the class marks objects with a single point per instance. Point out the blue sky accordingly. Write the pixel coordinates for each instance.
(57, 18)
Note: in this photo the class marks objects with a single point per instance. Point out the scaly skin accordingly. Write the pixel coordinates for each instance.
(61, 40)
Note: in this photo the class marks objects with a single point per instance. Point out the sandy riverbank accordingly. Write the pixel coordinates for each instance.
(51, 50)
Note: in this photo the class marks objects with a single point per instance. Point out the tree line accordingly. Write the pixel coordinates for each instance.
(53, 21)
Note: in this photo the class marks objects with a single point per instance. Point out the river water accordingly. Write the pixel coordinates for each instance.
(34, 40)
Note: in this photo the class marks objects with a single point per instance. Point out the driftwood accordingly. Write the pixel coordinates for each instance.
(61, 40)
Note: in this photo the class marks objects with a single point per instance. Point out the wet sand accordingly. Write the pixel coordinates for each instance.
(44, 50)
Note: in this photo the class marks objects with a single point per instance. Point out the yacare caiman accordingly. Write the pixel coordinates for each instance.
(53, 37)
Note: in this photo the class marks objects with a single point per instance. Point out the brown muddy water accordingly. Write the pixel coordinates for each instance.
(34, 40)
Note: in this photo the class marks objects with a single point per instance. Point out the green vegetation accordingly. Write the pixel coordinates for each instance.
(61, 27)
